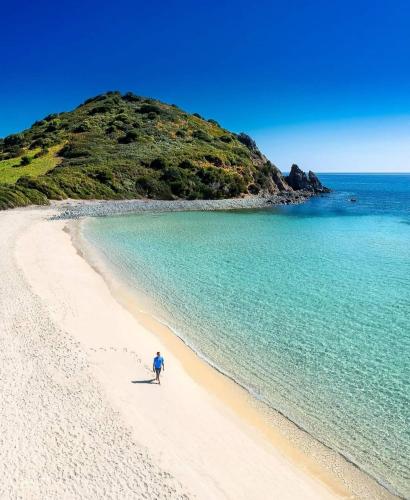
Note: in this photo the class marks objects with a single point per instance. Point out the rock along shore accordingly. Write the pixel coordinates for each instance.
(75, 209)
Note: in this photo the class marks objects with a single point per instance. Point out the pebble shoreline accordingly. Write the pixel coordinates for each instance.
(75, 209)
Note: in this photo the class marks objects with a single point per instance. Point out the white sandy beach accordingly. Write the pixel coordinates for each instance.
(77, 419)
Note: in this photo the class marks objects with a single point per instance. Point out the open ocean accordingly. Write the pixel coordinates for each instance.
(308, 307)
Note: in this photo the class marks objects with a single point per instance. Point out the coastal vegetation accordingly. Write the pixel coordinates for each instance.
(33, 163)
(116, 146)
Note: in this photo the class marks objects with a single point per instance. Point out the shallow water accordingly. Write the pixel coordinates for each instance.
(306, 306)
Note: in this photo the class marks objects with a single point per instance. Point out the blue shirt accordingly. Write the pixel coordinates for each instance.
(158, 362)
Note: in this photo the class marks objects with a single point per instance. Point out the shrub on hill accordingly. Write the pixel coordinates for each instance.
(187, 165)
(52, 127)
(73, 150)
(130, 97)
(38, 143)
(149, 108)
(13, 140)
(201, 135)
(225, 138)
(83, 127)
(215, 160)
(115, 146)
(130, 136)
(99, 109)
(25, 160)
(158, 164)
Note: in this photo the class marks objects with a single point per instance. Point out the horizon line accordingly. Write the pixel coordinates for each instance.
(360, 173)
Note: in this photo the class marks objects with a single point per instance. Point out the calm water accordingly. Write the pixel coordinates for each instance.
(306, 306)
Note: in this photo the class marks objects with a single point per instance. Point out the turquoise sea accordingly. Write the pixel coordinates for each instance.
(308, 307)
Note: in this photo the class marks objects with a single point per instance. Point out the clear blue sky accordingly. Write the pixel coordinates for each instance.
(322, 83)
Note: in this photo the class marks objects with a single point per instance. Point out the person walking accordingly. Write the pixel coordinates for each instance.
(157, 366)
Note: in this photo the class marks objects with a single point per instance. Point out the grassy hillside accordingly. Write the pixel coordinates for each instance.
(38, 162)
(124, 146)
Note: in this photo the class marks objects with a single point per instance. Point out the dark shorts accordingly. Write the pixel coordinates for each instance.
(157, 371)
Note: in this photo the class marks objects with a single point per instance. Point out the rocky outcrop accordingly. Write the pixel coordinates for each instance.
(315, 183)
(299, 181)
(279, 180)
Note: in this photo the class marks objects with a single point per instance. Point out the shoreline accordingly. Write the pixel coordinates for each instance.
(61, 436)
(341, 475)
(86, 345)
(200, 443)
(75, 209)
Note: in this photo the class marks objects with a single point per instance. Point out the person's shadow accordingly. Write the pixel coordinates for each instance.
(148, 381)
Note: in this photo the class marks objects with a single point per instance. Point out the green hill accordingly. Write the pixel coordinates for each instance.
(117, 146)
